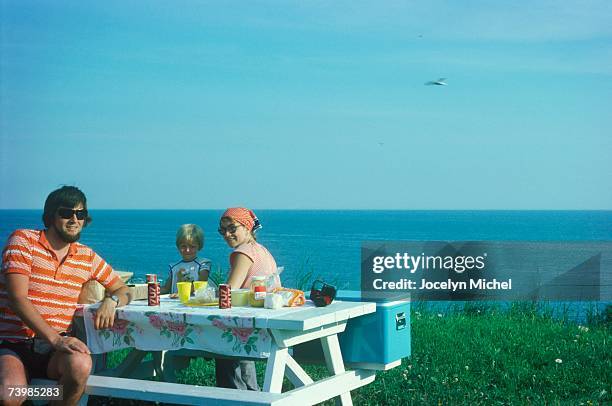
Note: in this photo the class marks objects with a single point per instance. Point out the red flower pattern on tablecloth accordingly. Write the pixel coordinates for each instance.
(244, 338)
(242, 334)
(219, 324)
(120, 326)
(176, 328)
(121, 331)
(156, 321)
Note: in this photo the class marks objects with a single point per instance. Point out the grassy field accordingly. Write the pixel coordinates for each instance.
(481, 355)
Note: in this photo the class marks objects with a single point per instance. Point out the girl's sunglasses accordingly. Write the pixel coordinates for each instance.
(67, 214)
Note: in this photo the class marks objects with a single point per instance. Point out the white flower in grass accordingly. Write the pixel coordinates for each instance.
(439, 314)
(583, 328)
(558, 360)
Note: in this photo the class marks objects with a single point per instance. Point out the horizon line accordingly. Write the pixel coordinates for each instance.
(321, 209)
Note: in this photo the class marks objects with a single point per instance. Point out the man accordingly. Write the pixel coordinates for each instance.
(42, 275)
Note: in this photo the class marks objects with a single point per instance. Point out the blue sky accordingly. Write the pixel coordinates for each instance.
(307, 104)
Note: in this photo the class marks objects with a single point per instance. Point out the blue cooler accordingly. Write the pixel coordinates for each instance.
(377, 340)
(374, 341)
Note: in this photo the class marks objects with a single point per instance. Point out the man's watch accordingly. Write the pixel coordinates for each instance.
(114, 298)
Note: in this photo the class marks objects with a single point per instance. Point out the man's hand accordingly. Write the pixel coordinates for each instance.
(69, 345)
(105, 316)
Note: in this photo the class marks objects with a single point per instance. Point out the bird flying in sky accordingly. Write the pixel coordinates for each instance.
(439, 82)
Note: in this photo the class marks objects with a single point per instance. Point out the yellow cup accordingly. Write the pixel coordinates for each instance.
(184, 291)
(197, 285)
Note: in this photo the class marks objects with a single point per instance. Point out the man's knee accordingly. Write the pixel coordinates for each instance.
(12, 371)
(13, 401)
(12, 374)
(78, 367)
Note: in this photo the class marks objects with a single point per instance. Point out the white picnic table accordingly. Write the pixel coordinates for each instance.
(242, 332)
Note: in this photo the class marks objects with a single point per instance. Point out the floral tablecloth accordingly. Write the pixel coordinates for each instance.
(173, 326)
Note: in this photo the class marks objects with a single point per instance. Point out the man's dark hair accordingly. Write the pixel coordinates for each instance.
(66, 196)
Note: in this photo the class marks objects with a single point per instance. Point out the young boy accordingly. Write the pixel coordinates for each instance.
(189, 240)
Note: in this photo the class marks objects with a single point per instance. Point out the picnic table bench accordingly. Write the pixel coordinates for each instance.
(176, 393)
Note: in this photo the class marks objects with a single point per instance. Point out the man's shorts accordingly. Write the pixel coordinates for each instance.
(34, 354)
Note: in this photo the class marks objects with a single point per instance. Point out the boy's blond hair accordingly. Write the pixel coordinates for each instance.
(190, 233)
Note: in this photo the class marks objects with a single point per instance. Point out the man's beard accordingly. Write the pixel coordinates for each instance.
(65, 236)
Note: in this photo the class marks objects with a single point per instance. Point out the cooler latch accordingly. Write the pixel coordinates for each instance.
(400, 321)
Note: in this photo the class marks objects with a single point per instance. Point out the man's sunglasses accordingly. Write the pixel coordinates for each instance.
(229, 229)
(65, 213)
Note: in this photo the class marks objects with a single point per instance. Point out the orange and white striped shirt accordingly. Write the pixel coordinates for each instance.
(54, 287)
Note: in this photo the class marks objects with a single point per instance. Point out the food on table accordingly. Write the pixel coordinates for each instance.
(291, 297)
(258, 291)
(205, 295)
(273, 301)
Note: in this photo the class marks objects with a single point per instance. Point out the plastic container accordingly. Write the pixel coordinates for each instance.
(257, 292)
(240, 297)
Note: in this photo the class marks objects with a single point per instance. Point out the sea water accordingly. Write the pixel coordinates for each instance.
(311, 243)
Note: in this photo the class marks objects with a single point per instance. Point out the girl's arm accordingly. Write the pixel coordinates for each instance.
(240, 264)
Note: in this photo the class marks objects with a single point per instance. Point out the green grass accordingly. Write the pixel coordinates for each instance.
(487, 356)
(482, 356)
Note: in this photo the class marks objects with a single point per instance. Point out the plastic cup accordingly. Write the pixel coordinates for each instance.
(240, 297)
(184, 291)
(197, 285)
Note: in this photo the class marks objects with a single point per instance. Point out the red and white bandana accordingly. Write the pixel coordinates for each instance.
(243, 216)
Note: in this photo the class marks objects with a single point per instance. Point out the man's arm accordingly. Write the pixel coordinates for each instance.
(120, 289)
(105, 316)
(17, 290)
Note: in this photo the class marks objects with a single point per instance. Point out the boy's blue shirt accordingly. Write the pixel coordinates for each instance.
(193, 267)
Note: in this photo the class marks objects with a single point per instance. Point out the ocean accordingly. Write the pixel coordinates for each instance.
(321, 243)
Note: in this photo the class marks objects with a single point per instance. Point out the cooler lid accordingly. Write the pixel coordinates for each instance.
(356, 296)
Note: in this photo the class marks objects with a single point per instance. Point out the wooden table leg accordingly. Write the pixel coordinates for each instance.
(275, 369)
(158, 362)
(335, 364)
(296, 374)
